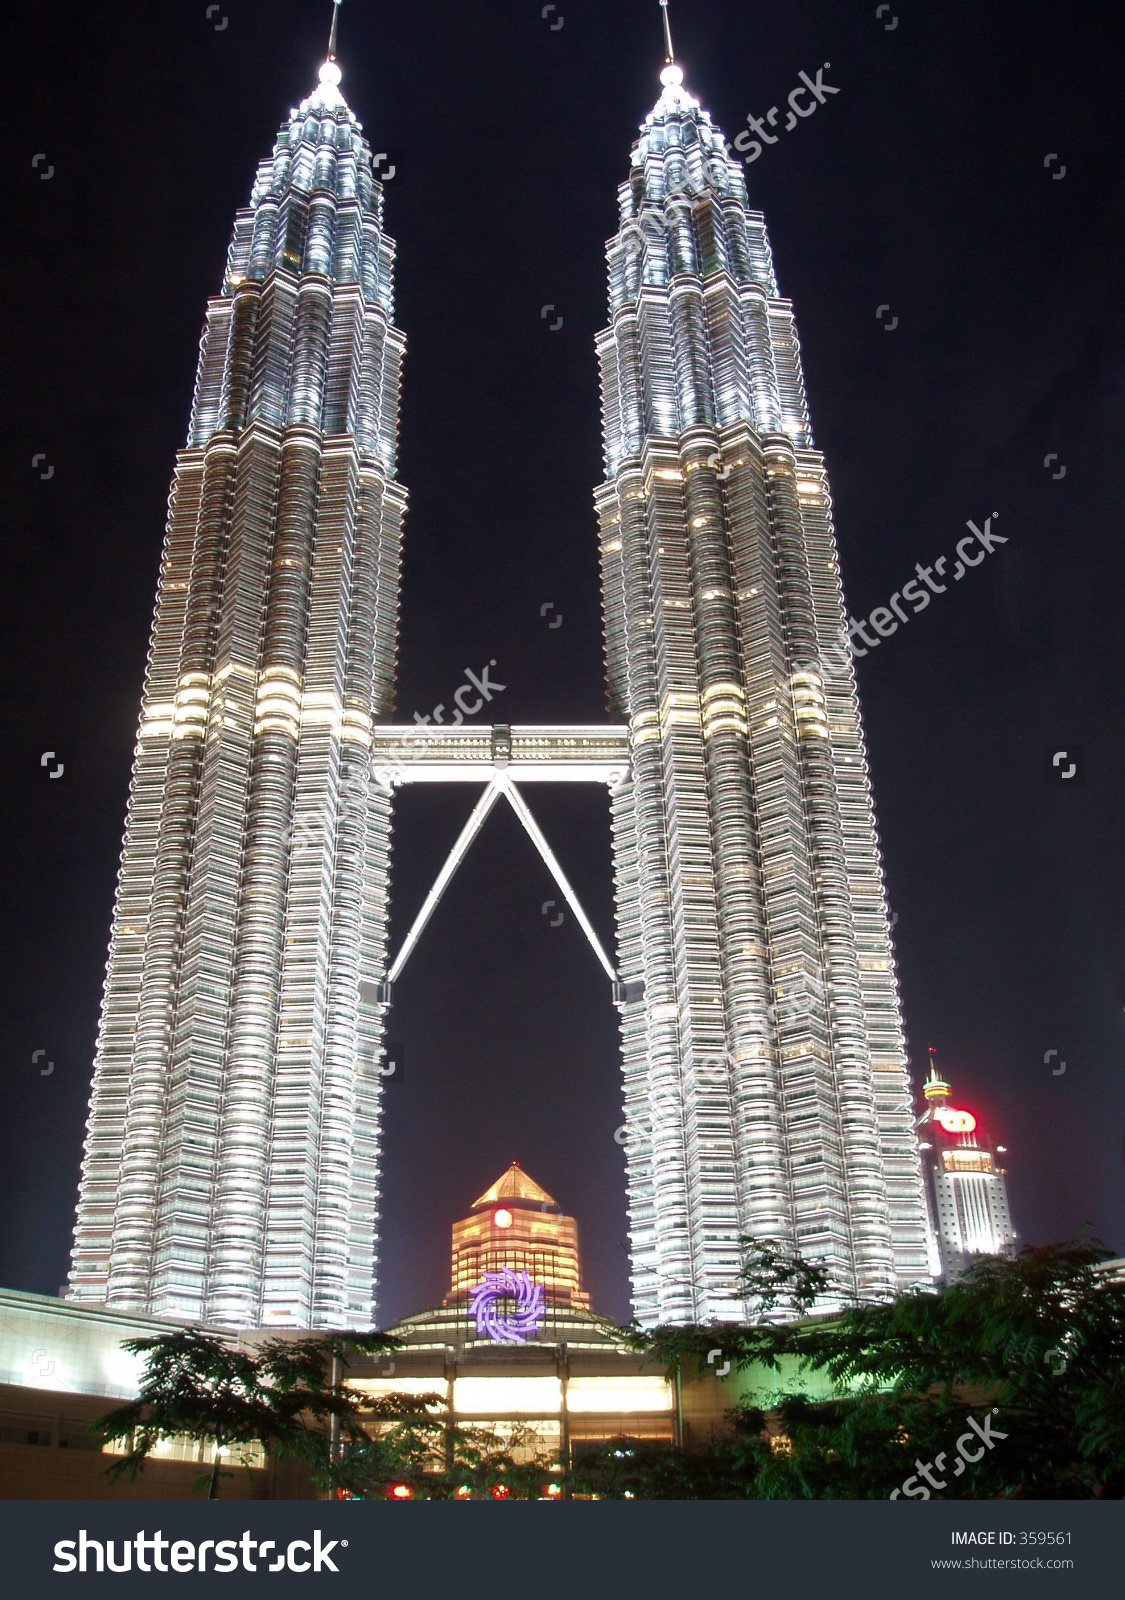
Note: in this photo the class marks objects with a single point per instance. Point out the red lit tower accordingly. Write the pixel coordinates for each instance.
(966, 1192)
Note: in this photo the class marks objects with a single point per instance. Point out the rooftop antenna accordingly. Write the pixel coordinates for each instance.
(669, 55)
(336, 4)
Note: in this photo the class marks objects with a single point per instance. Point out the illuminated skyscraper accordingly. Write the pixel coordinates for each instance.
(967, 1193)
(231, 1169)
(232, 1158)
(766, 1091)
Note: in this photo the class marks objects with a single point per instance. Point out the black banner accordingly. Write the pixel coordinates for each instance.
(873, 1548)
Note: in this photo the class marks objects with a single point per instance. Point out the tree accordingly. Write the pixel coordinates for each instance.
(409, 1440)
(282, 1396)
(1024, 1357)
(773, 1279)
(647, 1469)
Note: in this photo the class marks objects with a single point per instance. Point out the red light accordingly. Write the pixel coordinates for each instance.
(500, 1491)
(401, 1491)
(553, 1491)
(463, 1493)
(502, 1218)
(954, 1121)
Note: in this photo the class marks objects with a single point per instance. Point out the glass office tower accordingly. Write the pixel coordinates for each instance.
(231, 1169)
(766, 1091)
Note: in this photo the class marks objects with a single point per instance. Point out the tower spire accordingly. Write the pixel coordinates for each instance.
(935, 1086)
(330, 74)
(671, 75)
(669, 54)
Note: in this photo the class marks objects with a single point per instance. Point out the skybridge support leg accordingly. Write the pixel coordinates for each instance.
(500, 784)
(519, 806)
(464, 839)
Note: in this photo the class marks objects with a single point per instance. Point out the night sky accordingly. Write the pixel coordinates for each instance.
(932, 186)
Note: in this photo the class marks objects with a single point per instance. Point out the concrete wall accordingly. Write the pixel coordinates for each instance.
(67, 1468)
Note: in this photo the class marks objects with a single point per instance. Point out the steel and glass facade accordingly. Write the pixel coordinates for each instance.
(231, 1170)
(766, 1090)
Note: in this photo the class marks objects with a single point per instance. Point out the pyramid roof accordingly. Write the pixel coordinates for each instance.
(514, 1185)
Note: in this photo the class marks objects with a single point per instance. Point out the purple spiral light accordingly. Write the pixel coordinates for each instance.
(519, 1324)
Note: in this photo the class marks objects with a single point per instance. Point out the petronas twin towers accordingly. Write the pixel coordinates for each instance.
(232, 1162)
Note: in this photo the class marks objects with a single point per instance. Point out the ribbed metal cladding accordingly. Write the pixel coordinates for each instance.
(231, 1171)
(765, 1083)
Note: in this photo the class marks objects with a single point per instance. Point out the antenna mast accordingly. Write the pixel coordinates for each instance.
(669, 56)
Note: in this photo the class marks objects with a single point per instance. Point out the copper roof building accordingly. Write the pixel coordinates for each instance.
(517, 1225)
(515, 1346)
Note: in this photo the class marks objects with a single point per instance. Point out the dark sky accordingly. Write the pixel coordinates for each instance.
(922, 188)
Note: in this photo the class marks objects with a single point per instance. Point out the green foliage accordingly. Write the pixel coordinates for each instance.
(409, 1441)
(288, 1396)
(1040, 1337)
(1037, 1342)
(778, 1285)
(644, 1469)
(281, 1396)
(865, 1447)
(775, 1281)
(403, 1437)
